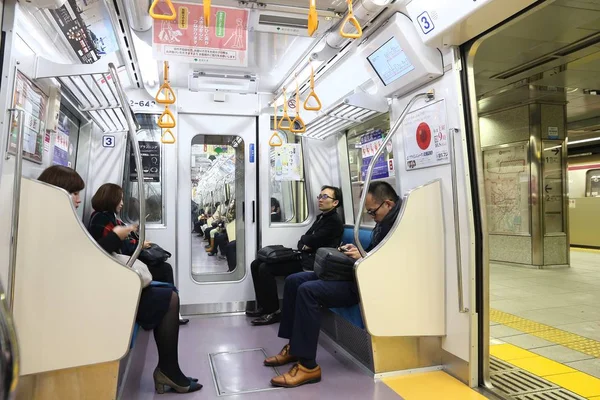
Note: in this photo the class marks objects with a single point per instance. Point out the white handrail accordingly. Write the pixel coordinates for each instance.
(363, 197)
(138, 162)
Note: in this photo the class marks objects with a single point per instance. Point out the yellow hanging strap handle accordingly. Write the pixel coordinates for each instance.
(312, 93)
(298, 120)
(285, 117)
(206, 6)
(167, 137)
(166, 119)
(275, 140)
(313, 17)
(163, 17)
(168, 93)
(352, 19)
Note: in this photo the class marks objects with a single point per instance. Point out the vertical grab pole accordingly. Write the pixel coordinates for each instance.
(363, 197)
(461, 299)
(138, 161)
(16, 204)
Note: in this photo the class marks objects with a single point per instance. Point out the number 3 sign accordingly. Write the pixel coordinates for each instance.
(108, 141)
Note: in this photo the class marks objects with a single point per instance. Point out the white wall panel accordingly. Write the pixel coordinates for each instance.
(457, 341)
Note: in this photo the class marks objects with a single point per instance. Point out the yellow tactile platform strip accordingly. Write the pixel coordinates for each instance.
(564, 376)
(549, 333)
(431, 385)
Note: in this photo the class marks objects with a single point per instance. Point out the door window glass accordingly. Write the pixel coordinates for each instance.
(217, 200)
(363, 141)
(287, 186)
(151, 150)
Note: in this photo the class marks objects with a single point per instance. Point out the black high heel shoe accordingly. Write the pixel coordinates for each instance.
(161, 382)
(183, 321)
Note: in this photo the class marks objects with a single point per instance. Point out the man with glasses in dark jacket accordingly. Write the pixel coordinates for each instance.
(305, 294)
(327, 231)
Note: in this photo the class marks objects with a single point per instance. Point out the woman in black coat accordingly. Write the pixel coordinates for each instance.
(158, 307)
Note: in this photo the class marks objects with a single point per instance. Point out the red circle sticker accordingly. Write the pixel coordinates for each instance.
(423, 136)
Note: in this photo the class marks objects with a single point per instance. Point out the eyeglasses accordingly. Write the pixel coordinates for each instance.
(373, 212)
(324, 197)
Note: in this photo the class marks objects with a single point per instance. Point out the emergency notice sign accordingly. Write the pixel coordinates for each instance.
(188, 39)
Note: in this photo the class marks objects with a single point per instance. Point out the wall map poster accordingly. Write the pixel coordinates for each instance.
(425, 137)
(150, 162)
(507, 181)
(187, 39)
(29, 98)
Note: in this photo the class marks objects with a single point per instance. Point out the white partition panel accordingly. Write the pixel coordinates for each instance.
(402, 281)
(74, 304)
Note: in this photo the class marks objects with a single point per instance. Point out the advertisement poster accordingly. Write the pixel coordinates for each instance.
(150, 162)
(29, 98)
(426, 137)
(370, 143)
(287, 162)
(86, 26)
(187, 39)
(61, 142)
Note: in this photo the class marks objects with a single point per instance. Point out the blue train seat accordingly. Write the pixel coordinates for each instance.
(352, 314)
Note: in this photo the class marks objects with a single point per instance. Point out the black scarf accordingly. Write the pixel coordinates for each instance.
(383, 228)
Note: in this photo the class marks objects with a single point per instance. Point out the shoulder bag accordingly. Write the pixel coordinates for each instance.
(333, 265)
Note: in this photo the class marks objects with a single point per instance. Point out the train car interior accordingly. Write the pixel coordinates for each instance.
(289, 199)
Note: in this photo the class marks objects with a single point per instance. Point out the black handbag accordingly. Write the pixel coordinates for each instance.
(277, 254)
(333, 265)
(154, 255)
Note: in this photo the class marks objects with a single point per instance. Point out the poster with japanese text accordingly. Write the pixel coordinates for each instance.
(29, 98)
(223, 42)
(370, 143)
(425, 137)
(288, 166)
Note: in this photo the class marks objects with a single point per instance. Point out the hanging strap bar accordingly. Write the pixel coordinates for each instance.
(363, 197)
(298, 120)
(206, 6)
(163, 17)
(166, 119)
(350, 18)
(312, 93)
(167, 137)
(313, 17)
(131, 133)
(285, 117)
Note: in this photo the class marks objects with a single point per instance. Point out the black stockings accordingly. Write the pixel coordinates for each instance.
(166, 335)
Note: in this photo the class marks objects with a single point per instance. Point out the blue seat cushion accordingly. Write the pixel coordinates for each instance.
(136, 328)
(351, 314)
(364, 235)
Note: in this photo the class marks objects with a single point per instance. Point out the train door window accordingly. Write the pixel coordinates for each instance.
(152, 154)
(287, 188)
(66, 139)
(592, 183)
(217, 176)
(363, 141)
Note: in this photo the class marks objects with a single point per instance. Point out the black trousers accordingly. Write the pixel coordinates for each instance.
(230, 253)
(303, 296)
(220, 243)
(265, 286)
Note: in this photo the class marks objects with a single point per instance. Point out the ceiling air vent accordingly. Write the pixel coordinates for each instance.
(287, 23)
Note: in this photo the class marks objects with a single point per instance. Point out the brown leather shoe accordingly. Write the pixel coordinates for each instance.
(284, 357)
(298, 375)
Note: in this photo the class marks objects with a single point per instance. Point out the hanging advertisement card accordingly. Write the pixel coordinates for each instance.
(188, 39)
(425, 137)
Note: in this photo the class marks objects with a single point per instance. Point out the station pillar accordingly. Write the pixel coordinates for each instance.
(525, 176)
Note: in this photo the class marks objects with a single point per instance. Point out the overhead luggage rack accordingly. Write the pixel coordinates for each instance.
(351, 110)
(93, 88)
